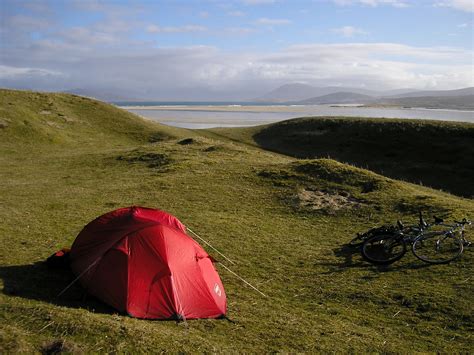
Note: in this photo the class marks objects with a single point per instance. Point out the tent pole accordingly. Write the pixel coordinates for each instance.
(175, 292)
(211, 246)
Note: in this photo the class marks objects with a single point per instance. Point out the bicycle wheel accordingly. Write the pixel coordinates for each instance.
(362, 237)
(437, 248)
(384, 249)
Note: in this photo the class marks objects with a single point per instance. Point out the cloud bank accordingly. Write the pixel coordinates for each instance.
(162, 73)
(39, 53)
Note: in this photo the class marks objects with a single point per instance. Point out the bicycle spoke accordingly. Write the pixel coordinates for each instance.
(384, 249)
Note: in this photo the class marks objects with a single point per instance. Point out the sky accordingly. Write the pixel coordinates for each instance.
(235, 49)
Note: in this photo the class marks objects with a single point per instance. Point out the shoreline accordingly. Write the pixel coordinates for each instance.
(244, 116)
(223, 108)
(278, 108)
(402, 107)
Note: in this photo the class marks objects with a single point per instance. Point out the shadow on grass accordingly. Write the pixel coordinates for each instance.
(350, 257)
(38, 282)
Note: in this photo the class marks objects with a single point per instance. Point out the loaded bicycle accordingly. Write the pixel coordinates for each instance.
(433, 243)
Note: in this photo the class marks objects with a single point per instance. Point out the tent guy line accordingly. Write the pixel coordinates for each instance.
(78, 277)
(225, 267)
(242, 279)
(207, 243)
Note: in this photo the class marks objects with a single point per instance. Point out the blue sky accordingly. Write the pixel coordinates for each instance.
(234, 49)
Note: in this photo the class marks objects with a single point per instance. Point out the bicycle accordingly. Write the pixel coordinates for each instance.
(434, 247)
(362, 237)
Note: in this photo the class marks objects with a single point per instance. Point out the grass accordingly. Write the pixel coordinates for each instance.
(241, 198)
(433, 153)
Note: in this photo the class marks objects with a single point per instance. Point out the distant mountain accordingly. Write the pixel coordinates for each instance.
(197, 94)
(103, 94)
(339, 98)
(397, 92)
(435, 93)
(294, 93)
(298, 92)
(465, 102)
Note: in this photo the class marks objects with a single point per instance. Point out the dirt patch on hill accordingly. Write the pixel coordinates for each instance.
(151, 160)
(321, 200)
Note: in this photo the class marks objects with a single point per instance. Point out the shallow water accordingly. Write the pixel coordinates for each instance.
(195, 119)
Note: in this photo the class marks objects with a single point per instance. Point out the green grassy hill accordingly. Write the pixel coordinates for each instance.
(284, 220)
(433, 153)
(32, 120)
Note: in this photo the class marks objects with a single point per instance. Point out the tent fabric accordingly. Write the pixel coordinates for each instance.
(59, 260)
(142, 262)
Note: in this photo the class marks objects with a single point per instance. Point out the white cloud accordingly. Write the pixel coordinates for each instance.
(9, 72)
(104, 54)
(172, 29)
(258, 2)
(27, 23)
(107, 8)
(373, 3)
(272, 22)
(349, 31)
(203, 14)
(236, 13)
(166, 73)
(239, 30)
(463, 5)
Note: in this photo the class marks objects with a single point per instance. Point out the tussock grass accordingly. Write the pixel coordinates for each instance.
(322, 297)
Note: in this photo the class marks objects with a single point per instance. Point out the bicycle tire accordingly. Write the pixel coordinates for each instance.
(384, 249)
(362, 237)
(437, 248)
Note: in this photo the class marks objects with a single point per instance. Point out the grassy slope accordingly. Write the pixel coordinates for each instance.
(435, 153)
(240, 198)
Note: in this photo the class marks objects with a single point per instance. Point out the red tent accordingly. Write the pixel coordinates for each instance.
(142, 262)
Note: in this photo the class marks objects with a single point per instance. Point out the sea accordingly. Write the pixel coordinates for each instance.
(201, 115)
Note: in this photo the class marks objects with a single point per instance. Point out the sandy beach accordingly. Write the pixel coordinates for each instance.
(207, 116)
(228, 108)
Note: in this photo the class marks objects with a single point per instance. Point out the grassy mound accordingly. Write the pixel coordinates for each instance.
(434, 153)
(257, 207)
(32, 120)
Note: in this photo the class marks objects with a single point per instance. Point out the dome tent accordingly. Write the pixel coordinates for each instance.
(141, 262)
